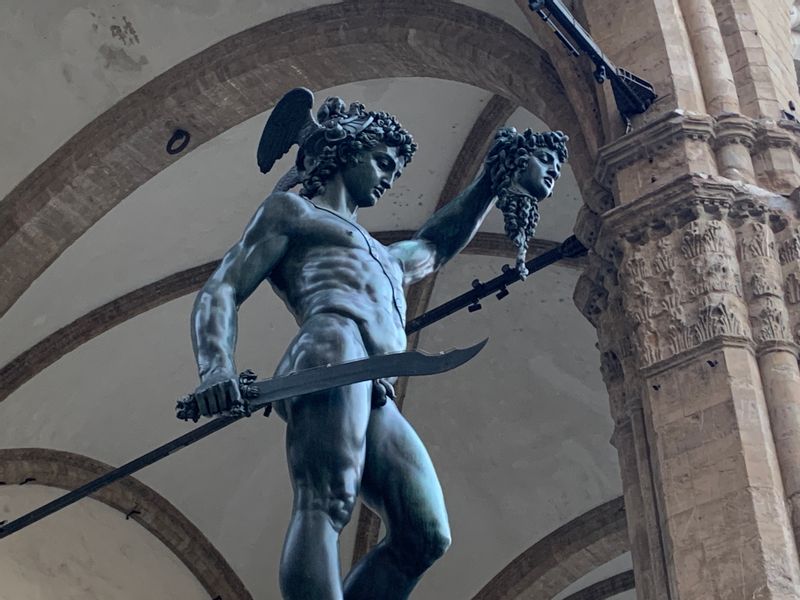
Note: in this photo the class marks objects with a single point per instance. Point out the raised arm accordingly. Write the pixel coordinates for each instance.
(447, 232)
(214, 318)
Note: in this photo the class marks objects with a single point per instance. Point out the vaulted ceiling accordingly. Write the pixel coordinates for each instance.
(104, 238)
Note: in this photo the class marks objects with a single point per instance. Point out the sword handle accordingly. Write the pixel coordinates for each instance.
(187, 408)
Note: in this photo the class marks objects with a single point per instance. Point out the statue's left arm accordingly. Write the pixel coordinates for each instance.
(447, 232)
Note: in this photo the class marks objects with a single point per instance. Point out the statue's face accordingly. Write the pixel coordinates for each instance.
(540, 176)
(376, 171)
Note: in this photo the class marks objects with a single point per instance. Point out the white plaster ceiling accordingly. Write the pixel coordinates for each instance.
(63, 62)
(87, 552)
(520, 438)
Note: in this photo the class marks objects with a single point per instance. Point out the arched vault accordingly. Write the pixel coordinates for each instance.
(246, 74)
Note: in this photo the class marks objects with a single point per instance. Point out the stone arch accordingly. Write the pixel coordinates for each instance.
(563, 556)
(247, 73)
(155, 513)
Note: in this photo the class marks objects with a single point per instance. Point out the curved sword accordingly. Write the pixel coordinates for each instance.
(269, 390)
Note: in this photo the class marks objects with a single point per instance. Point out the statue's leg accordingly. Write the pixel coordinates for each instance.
(325, 446)
(400, 484)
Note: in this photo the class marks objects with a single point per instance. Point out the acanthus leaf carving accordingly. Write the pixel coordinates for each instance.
(680, 337)
(691, 243)
(759, 244)
(640, 303)
(699, 240)
(762, 286)
(636, 268)
(717, 319)
(790, 249)
(793, 289)
(664, 261)
(646, 345)
(772, 324)
(715, 273)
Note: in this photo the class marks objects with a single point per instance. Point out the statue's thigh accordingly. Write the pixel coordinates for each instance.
(399, 480)
(326, 431)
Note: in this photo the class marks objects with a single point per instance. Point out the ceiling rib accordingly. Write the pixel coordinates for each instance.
(155, 513)
(563, 556)
(468, 161)
(246, 74)
(621, 582)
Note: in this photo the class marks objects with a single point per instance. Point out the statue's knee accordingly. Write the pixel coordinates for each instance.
(337, 507)
(426, 548)
(340, 509)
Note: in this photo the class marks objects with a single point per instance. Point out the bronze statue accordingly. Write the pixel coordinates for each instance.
(345, 290)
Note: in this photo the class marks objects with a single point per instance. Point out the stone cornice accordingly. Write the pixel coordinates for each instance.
(720, 342)
(653, 211)
(785, 134)
(682, 200)
(643, 143)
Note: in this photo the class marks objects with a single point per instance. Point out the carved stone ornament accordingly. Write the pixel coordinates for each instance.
(698, 239)
(790, 249)
(772, 324)
(680, 337)
(646, 345)
(793, 289)
(610, 366)
(716, 319)
(664, 261)
(759, 244)
(763, 286)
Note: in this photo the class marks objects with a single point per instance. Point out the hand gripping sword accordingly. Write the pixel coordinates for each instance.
(261, 394)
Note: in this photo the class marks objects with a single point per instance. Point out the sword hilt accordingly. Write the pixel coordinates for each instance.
(187, 408)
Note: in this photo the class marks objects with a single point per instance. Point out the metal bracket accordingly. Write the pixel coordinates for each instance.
(632, 94)
(178, 142)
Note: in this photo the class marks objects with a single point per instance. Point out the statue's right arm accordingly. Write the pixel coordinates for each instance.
(214, 321)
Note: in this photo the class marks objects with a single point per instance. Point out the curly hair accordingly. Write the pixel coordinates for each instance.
(336, 148)
(508, 157)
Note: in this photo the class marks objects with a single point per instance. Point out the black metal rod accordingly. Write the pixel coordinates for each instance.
(139, 463)
(569, 248)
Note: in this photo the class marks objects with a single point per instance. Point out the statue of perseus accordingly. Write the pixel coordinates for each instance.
(345, 289)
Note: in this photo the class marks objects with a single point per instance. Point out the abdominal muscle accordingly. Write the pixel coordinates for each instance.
(347, 282)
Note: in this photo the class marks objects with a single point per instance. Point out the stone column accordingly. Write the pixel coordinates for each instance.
(620, 374)
(693, 289)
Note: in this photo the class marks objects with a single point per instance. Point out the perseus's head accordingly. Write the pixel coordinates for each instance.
(526, 163)
(370, 149)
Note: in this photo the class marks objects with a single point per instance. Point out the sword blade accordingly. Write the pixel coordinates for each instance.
(398, 364)
(270, 390)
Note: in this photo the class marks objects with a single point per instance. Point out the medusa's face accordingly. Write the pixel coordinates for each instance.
(539, 177)
(374, 173)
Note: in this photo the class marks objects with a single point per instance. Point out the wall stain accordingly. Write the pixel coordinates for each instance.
(66, 71)
(117, 59)
(125, 33)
